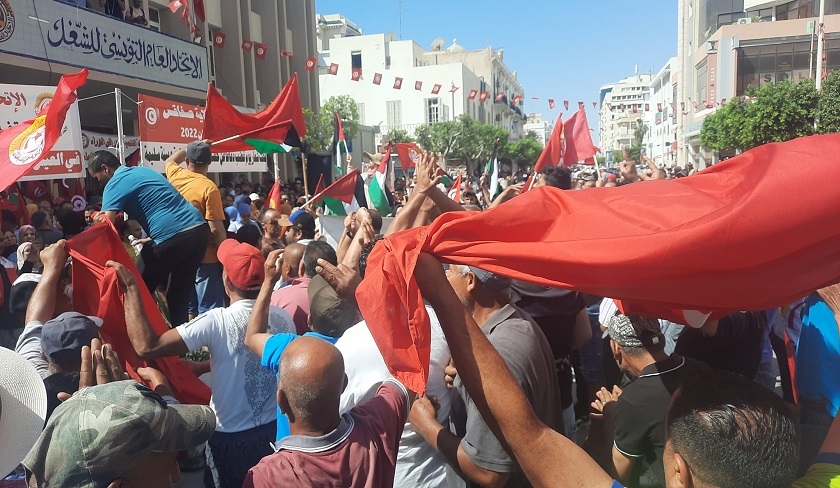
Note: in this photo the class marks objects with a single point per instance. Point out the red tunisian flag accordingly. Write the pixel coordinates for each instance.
(223, 120)
(24, 145)
(455, 191)
(552, 153)
(409, 154)
(578, 139)
(96, 291)
(198, 8)
(687, 244)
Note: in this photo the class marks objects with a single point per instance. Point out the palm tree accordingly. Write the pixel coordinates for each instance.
(640, 132)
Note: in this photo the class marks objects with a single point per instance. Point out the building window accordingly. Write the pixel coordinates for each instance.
(356, 59)
(361, 108)
(394, 109)
(154, 19)
(434, 111)
(701, 83)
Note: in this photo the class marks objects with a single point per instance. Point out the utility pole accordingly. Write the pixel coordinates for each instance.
(820, 45)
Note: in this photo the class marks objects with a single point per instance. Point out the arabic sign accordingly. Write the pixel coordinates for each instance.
(167, 126)
(95, 141)
(64, 34)
(19, 103)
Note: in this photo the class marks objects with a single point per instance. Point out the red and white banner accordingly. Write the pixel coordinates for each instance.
(247, 45)
(483, 97)
(167, 126)
(333, 70)
(436, 89)
(418, 85)
(19, 103)
(311, 63)
(472, 95)
(356, 74)
(377, 78)
(398, 83)
(260, 50)
(551, 104)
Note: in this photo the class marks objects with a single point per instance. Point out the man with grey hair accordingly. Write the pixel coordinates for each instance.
(638, 411)
(474, 455)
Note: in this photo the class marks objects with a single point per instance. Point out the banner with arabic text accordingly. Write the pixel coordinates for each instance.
(167, 126)
(19, 103)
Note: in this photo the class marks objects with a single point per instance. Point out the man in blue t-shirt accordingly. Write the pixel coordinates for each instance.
(329, 317)
(178, 231)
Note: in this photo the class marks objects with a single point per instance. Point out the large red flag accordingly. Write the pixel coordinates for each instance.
(409, 154)
(223, 120)
(552, 153)
(689, 244)
(578, 139)
(96, 291)
(24, 145)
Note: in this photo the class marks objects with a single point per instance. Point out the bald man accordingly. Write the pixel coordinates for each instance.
(272, 235)
(323, 443)
(290, 266)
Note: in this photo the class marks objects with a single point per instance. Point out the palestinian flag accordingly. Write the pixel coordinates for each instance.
(338, 140)
(340, 197)
(263, 146)
(377, 187)
(270, 139)
(319, 188)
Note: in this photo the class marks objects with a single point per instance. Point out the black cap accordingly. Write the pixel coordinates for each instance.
(301, 220)
(198, 152)
(62, 338)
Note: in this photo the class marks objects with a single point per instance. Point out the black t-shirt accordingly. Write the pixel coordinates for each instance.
(736, 347)
(639, 416)
(59, 382)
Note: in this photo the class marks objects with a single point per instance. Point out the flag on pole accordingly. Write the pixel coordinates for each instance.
(356, 74)
(333, 69)
(222, 120)
(37, 191)
(418, 85)
(24, 145)
(174, 5)
(578, 140)
(500, 97)
(483, 97)
(247, 45)
(398, 83)
(338, 141)
(552, 153)
(455, 191)
(319, 187)
(377, 187)
(409, 154)
(594, 104)
(493, 171)
(285, 53)
(340, 197)
(219, 39)
(198, 8)
(529, 183)
(454, 89)
(273, 198)
(264, 145)
(581, 105)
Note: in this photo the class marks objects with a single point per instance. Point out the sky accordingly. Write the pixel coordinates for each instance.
(561, 49)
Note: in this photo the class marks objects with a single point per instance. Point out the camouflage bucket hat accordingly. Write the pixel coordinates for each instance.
(104, 430)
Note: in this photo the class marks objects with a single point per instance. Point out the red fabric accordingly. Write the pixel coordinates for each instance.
(198, 8)
(75, 195)
(174, 5)
(386, 160)
(36, 191)
(409, 154)
(96, 291)
(749, 233)
(21, 212)
(319, 187)
(223, 120)
(552, 153)
(274, 195)
(260, 50)
(455, 192)
(551, 104)
(219, 39)
(472, 94)
(339, 130)
(24, 145)
(311, 63)
(528, 183)
(344, 188)
(578, 139)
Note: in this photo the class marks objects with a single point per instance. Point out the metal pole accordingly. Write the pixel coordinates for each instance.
(820, 45)
(120, 133)
(305, 177)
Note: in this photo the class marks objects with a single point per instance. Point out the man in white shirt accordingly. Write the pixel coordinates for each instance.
(418, 463)
(242, 391)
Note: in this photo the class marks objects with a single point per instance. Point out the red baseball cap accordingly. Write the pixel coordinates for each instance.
(244, 264)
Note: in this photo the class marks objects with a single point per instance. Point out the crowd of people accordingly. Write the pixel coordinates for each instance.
(527, 385)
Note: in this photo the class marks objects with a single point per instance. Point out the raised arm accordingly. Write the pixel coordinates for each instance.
(257, 334)
(426, 183)
(145, 340)
(547, 458)
(42, 304)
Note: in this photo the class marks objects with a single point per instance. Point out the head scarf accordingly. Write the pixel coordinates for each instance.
(20, 257)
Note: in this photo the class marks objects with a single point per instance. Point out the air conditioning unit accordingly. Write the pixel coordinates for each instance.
(745, 20)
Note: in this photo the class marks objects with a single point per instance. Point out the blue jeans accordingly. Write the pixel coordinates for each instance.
(209, 288)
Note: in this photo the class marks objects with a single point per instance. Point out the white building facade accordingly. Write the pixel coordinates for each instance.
(622, 106)
(539, 126)
(661, 119)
